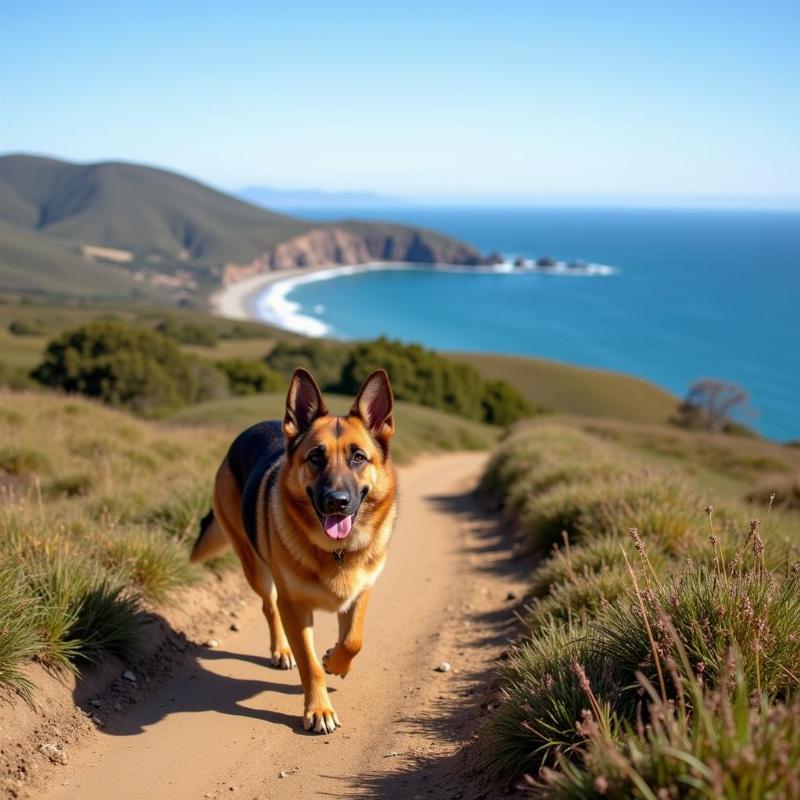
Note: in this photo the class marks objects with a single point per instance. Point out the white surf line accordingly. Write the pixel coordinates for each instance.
(265, 297)
(273, 306)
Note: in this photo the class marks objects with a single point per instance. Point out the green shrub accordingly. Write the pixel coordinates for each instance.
(250, 377)
(27, 327)
(127, 366)
(503, 405)
(325, 360)
(189, 332)
(244, 330)
(425, 377)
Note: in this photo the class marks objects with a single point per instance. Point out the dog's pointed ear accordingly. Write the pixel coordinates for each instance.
(304, 404)
(374, 405)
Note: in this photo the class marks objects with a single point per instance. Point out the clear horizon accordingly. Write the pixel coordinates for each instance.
(579, 103)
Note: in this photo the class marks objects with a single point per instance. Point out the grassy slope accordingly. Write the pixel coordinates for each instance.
(96, 511)
(733, 464)
(577, 390)
(553, 476)
(41, 265)
(141, 209)
(419, 430)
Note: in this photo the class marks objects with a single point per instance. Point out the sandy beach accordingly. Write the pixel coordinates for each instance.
(234, 301)
(248, 299)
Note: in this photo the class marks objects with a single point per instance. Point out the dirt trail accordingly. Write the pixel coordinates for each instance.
(227, 725)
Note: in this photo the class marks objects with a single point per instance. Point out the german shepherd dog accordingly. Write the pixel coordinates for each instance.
(309, 506)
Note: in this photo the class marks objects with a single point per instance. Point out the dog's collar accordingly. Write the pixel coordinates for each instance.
(338, 555)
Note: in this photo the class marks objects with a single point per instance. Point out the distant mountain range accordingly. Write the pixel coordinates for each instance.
(297, 199)
(113, 230)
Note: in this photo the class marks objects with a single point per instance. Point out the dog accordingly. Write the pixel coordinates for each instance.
(309, 505)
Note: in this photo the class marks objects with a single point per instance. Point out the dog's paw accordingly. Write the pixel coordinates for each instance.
(336, 661)
(282, 658)
(321, 719)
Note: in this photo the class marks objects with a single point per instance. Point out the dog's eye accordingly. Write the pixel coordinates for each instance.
(359, 457)
(316, 458)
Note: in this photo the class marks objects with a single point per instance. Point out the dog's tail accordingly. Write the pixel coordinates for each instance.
(212, 540)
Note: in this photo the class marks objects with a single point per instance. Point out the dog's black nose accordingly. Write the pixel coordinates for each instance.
(336, 502)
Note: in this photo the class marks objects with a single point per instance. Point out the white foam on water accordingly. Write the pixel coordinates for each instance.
(272, 305)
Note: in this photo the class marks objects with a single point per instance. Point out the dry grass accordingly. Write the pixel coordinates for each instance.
(611, 618)
(96, 508)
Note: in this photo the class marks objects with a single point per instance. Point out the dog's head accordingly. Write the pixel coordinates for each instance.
(339, 470)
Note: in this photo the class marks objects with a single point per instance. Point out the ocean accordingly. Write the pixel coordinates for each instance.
(694, 294)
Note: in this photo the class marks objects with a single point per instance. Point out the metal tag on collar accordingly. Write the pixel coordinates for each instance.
(339, 554)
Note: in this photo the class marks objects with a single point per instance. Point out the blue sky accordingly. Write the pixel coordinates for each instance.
(686, 101)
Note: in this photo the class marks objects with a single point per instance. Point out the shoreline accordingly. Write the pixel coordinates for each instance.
(250, 299)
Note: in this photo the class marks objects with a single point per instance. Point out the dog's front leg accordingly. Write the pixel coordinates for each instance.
(298, 620)
(351, 627)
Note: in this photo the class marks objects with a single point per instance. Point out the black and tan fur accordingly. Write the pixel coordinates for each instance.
(270, 497)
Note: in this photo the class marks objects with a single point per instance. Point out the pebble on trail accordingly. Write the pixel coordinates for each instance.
(443, 667)
(53, 752)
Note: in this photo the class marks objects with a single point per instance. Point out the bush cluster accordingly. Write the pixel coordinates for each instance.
(27, 327)
(656, 614)
(128, 366)
(248, 376)
(145, 370)
(418, 376)
(189, 332)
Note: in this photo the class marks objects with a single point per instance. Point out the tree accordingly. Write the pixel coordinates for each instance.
(710, 403)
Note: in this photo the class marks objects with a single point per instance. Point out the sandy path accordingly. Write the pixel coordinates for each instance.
(227, 725)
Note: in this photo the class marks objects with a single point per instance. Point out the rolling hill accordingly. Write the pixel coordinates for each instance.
(577, 390)
(164, 230)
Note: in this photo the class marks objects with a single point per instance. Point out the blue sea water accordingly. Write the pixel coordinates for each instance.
(697, 294)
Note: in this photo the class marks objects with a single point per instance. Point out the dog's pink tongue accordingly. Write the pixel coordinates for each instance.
(337, 527)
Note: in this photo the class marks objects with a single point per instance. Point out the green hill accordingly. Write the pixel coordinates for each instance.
(164, 225)
(577, 390)
(147, 211)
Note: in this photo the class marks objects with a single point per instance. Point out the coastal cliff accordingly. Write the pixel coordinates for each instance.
(356, 243)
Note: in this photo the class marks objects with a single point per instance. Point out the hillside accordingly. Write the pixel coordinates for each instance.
(577, 390)
(34, 264)
(166, 230)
